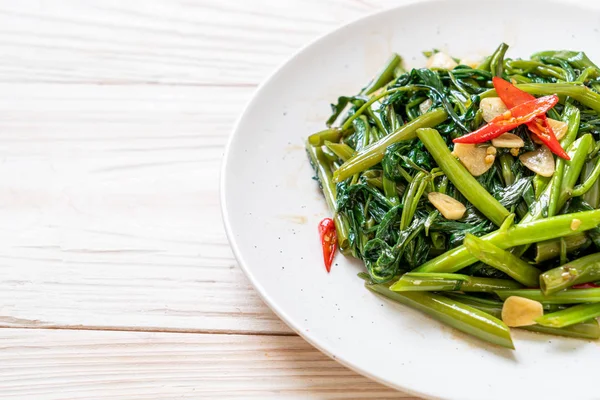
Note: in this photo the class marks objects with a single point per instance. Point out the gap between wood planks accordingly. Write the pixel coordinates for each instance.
(138, 83)
(148, 329)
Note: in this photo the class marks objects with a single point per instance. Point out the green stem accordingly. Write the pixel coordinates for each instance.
(592, 196)
(378, 183)
(550, 249)
(580, 149)
(464, 318)
(589, 182)
(540, 183)
(561, 185)
(506, 162)
(582, 94)
(319, 138)
(373, 154)
(342, 150)
(577, 59)
(389, 189)
(323, 171)
(330, 156)
(430, 282)
(588, 73)
(375, 97)
(384, 76)
(461, 178)
(585, 330)
(523, 233)
(497, 60)
(569, 296)
(552, 196)
(570, 316)
(583, 270)
(411, 198)
(502, 260)
(572, 117)
(555, 188)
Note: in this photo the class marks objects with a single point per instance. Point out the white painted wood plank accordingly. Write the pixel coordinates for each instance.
(71, 364)
(110, 209)
(162, 41)
(113, 118)
(109, 193)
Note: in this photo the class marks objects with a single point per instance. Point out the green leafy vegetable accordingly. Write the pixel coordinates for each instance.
(387, 148)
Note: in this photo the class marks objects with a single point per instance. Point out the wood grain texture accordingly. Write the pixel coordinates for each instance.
(203, 42)
(69, 365)
(113, 219)
(110, 186)
(113, 120)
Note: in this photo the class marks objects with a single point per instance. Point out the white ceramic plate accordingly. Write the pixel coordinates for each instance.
(271, 207)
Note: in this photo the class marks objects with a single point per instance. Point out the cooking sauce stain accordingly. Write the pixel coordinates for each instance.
(296, 219)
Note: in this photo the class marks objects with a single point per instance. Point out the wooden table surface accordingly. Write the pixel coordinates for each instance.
(116, 278)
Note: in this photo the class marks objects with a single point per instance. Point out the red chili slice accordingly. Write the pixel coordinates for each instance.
(518, 115)
(328, 241)
(512, 96)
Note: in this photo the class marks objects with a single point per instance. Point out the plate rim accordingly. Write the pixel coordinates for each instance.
(281, 314)
(583, 5)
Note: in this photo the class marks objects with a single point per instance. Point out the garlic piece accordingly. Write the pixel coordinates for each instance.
(575, 224)
(540, 161)
(558, 127)
(508, 141)
(491, 107)
(425, 106)
(448, 206)
(519, 311)
(473, 158)
(441, 61)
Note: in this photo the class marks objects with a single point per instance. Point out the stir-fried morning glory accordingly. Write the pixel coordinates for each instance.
(472, 192)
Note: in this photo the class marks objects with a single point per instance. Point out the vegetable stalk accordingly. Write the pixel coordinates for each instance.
(462, 317)
(321, 166)
(583, 270)
(384, 76)
(429, 282)
(592, 195)
(373, 154)
(502, 260)
(524, 233)
(569, 296)
(570, 316)
(550, 249)
(461, 178)
(580, 93)
(588, 329)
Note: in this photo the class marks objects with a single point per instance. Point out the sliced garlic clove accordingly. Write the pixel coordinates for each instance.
(425, 106)
(508, 141)
(441, 61)
(540, 161)
(473, 158)
(519, 311)
(491, 107)
(558, 127)
(448, 206)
